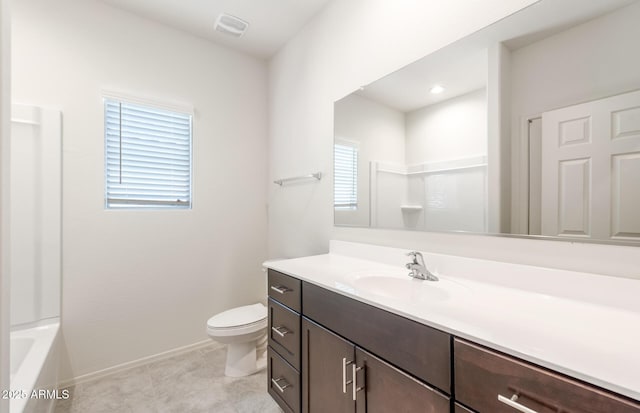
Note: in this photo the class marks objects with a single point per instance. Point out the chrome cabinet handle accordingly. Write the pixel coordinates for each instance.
(280, 289)
(345, 363)
(354, 378)
(512, 402)
(281, 331)
(276, 382)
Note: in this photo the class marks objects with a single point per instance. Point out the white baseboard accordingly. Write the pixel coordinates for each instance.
(137, 363)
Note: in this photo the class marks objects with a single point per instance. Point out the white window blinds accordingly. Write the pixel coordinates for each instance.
(345, 176)
(147, 156)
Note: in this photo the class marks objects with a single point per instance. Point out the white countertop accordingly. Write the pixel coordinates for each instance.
(583, 325)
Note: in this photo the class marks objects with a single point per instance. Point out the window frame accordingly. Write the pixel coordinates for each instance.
(152, 105)
(355, 146)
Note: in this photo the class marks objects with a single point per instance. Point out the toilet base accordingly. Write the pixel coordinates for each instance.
(245, 359)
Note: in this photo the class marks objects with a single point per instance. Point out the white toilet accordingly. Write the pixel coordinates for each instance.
(244, 331)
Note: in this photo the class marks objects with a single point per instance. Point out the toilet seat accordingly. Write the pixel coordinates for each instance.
(237, 321)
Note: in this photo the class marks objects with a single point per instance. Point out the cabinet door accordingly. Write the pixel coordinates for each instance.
(326, 369)
(387, 389)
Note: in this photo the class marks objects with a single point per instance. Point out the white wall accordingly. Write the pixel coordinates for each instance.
(136, 283)
(453, 129)
(351, 44)
(379, 131)
(587, 62)
(5, 115)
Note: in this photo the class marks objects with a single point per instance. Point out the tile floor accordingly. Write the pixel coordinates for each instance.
(191, 382)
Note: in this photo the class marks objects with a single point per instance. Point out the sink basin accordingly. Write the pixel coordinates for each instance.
(401, 288)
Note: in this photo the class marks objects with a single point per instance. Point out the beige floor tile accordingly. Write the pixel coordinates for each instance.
(193, 382)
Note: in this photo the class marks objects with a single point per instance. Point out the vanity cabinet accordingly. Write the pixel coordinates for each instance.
(340, 372)
(421, 351)
(283, 351)
(487, 381)
(331, 353)
(340, 377)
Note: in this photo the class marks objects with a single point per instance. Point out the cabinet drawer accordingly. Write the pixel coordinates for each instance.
(483, 375)
(284, 332)
(420, 350)
(284, 289)
(284, 382)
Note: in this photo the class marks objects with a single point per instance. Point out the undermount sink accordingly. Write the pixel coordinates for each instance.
(400, 288)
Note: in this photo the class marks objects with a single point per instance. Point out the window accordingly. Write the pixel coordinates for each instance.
(147, 156)
(345, 176)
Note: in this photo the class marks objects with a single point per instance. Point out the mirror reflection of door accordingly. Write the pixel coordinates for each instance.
(535, 175)
(590, 169)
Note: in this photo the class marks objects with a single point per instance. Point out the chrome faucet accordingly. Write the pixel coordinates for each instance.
(419, 268)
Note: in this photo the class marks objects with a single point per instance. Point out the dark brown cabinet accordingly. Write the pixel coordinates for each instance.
(283, 352)
(326, 375)
(332, 353)
(387, 389)
(420, 350)
(340, 377)
(488, 381)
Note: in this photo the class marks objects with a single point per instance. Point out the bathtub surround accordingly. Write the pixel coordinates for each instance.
(34, 365)
(35, 202)
(149, 279)
(346, 47)
(5, 115)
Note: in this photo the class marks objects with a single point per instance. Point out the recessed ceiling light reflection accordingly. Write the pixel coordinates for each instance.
(437, 89)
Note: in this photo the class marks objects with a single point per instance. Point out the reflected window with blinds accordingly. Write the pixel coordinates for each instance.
(345, 176)
(147, 156)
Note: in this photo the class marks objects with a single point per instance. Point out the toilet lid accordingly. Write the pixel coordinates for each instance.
(238, 316)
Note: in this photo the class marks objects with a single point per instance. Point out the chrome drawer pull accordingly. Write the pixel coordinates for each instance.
(345, 363)
(276, 382)
(280, 289)
(281, 331)
(354, 373)
(512, 402)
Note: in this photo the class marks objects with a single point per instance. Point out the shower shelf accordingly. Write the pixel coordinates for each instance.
(411, 208)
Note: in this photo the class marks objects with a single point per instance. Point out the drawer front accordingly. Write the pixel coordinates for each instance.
(420, 350)
(482, 376)
(284, 382)
(284, 332)
(284, 289)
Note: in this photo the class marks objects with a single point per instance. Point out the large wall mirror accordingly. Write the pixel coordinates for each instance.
(530, 126)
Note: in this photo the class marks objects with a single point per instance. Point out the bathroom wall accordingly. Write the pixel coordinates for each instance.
(453, 129)
(137, 283)
(5, 124)
(351, 44)
(379, 130)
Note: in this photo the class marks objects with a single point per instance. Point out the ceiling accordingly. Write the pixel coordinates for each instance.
(271, 22)
(462, 66)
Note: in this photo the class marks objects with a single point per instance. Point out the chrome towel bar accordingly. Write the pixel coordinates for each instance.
(317, 175)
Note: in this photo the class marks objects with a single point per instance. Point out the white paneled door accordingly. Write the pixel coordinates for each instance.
(591, 169)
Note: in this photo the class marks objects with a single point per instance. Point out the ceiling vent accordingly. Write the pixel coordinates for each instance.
(231, 25)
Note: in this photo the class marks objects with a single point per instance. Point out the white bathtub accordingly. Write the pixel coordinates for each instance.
(34, 366)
